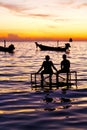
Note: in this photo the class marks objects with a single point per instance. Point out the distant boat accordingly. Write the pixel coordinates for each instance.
(70, 40)
(9, 49)
(45, 48)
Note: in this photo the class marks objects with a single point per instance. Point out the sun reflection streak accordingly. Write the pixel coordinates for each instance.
(16, 111)
(10, 90)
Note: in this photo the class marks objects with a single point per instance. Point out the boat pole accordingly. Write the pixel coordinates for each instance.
(5, 43)
(57, 43)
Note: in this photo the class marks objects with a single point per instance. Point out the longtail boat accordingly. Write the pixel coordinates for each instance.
(9, 49)
(50, 48)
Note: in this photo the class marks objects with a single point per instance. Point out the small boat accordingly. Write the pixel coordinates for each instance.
(70, 40)
(9, 49)
(45, 48)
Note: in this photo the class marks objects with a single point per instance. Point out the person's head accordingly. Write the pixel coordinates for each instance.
(64, 56)
(47, 57)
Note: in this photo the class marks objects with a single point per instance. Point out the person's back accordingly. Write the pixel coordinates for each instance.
(65, 64)
(48, 66)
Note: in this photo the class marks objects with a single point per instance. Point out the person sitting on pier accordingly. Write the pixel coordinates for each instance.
(65, 66)
(47, 68)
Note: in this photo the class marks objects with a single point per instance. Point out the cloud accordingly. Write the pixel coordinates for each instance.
(34, 10)
(62, 19)
(81, 5)
(13, 36)
(10, 36)
(68, 2)
(22, 10)
(14, 7)
(37, 15)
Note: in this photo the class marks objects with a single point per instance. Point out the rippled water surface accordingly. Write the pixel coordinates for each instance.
(25, 108)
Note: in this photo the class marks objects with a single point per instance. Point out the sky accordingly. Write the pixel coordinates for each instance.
(43, 19)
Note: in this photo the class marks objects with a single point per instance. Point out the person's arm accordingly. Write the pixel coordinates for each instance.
(40, 68)
(54, 67)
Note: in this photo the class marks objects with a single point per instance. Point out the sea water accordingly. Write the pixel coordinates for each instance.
(25, 108)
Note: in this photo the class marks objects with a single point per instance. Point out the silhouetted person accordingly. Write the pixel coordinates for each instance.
(47, 68)
(65, 67)
(65, 64)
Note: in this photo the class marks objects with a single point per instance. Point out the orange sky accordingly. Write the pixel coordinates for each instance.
(43, 19)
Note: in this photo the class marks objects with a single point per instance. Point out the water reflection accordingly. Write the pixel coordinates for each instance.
(55, 102)
(65, 101)
(48, 100)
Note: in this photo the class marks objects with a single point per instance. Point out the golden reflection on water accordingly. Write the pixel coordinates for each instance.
(4, 78)
(16, 111)
(12, 90)
(19, 78)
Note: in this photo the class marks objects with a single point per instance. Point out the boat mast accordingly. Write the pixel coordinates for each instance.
(5, 43)
(57, 43)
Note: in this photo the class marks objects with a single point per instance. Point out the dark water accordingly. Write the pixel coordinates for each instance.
(25, 108)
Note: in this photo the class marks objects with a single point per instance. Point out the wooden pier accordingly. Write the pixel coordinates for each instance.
(56, 80)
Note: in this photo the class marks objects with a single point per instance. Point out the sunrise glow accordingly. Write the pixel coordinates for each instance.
(43, 19)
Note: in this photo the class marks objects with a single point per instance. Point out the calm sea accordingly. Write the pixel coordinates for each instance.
(25, 108)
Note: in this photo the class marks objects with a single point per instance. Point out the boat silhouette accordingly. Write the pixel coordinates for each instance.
(9, 49)
(50, 48)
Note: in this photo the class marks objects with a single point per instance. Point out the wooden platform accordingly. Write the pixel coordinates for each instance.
(57, 80)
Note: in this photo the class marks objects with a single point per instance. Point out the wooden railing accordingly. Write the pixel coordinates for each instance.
(56, 79)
